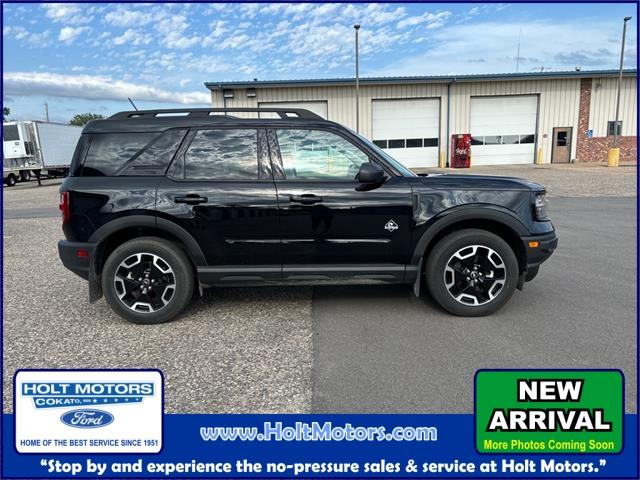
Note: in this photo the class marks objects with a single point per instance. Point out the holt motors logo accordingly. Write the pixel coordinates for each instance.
(87, 418)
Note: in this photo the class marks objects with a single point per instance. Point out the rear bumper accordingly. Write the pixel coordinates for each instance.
(76, 256)
(546, 244)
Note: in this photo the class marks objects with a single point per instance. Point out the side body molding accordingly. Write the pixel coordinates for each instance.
(462, 213)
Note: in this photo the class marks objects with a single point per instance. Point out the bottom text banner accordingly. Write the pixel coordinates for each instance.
(312, 446)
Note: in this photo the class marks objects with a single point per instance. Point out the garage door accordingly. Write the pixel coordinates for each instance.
(319, 108)
(408, 130)
(503, 129)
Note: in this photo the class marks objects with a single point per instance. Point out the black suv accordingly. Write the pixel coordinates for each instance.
(161, 203)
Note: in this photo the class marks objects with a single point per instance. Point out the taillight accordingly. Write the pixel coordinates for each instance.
(64, 207)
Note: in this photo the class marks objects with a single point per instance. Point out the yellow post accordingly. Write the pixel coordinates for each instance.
(539, 156)
(613, 158)
(441, 162)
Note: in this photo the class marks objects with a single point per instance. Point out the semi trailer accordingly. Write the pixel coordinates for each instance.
(44, 148)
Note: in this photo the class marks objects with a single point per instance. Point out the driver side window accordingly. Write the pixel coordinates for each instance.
(318, 155)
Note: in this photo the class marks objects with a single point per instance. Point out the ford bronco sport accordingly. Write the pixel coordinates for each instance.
(161, 203)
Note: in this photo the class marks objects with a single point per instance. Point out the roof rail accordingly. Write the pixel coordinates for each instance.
(284, 113)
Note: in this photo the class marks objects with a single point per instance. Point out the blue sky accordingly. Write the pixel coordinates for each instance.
(90, 57)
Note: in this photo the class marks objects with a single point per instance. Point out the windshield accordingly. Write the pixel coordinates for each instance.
(10, 133)
(404, 171)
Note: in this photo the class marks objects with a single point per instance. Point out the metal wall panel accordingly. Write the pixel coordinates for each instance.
(558, 106)
(559, 101)
(603, 105)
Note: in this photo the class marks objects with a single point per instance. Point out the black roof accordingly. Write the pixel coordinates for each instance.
(163, 119)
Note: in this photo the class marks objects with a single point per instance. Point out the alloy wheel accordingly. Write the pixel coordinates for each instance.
(144, 282)
(475, 275)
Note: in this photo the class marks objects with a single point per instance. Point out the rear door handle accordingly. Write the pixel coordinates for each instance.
(305, 199)
(191, 199)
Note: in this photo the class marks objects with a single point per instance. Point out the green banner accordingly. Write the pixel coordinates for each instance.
(549, 411)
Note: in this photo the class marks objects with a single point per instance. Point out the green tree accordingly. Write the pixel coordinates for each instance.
(6, 111)
(82, 119)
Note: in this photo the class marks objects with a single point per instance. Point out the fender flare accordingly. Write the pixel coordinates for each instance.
(466, 212)
(130, 221)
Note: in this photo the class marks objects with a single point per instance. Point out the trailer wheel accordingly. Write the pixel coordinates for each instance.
(25, 175)
(11, 180)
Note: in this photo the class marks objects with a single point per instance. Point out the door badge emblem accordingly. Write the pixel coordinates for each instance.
(391, 226)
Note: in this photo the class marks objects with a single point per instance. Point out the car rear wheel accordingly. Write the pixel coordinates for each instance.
(472, 273)
(148, 280)
(11, 180)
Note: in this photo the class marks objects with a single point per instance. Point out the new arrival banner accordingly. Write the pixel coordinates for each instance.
(528, 424)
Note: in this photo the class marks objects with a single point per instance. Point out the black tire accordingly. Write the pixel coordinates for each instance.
(438, 275)
(25, 175)
(11, 180)
(182, 276)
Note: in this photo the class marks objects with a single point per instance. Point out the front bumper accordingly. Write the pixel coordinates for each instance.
(536, 255)
(76, 256)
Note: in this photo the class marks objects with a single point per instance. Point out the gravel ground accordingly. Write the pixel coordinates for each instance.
(25, 195)
(233, 351)
(566, 180)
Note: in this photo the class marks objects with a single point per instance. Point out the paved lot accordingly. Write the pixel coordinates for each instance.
(334, 349)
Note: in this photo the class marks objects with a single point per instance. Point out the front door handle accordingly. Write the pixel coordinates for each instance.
(191, 199)
(305, 199)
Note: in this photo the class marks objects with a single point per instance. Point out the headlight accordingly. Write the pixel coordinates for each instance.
(540, 207)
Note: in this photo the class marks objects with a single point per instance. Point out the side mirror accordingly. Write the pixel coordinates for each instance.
(370, 173)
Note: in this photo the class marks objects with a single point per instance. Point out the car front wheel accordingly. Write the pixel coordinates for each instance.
(472, 273)
(147, 280)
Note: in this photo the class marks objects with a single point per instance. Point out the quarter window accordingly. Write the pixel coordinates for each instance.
(222, 154)
(109, 152)
(318, 155)
(155, 159)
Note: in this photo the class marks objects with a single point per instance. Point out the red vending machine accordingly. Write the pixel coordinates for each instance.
(461, 150)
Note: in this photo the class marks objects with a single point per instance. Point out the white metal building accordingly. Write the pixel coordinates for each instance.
(512, 118)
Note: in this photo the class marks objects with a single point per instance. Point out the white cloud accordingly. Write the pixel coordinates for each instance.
(218, 29)
(18, 32)
(93, 87)
(432, 20)
(172, 32)
(126, 17)
(131, 37)
(40, 39)
(69, 34)
(68, 13)
(490, 47)
(37, 39)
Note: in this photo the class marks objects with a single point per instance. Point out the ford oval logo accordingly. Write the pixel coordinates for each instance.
(87, 418)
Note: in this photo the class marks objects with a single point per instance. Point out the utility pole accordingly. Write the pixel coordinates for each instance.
(46, 111)
(357, 27)
(518, 55)
(614, 152)
(624, 34)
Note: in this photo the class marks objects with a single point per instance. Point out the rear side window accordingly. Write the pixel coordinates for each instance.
(155, 159)
(109, 152)
(222, 154)
(127, 154)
